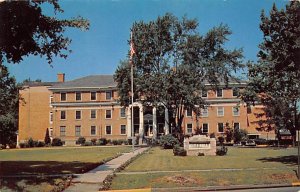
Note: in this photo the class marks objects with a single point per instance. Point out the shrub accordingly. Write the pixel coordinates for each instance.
(40, 144)
(239, 135)
(179, 151)
(88, 143)
(168, 141)
(31, 142)
(126, 142)
(12, 145)
(221, 151)
(23, 145)
(200, 154)
(80, 141)
(260, 141)
(57, 142)
(221, 139)
(129, 141)
(212, 135)
(2, 146)
(94, 141)
(102, 141)
(115, 142)
(47, 137)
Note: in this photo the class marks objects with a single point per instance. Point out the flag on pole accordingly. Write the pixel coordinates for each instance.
(132, 51)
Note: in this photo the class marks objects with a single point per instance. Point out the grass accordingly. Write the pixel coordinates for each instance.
(193, 171)
(18, 163)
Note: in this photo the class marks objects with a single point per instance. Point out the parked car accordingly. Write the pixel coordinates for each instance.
(250, 142)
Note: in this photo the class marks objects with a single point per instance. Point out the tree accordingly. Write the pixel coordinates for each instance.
(172, 62)
(228, 132)
(47, 137)
(26, 30)
(9, 102)
(275, 80)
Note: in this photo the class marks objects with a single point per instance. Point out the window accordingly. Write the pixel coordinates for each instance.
(63, 96)
(93, 96)
(108, 95)
(204, 112)
(236, 111)
(220, 127)
(93, 114)
(122, 113)
(78, 96)
(63, 115)
(62, 130)
(189, 112)
(205, 128)
(235, 92)
(204, 93)
(189, 128)
(77, 130)
(50, 132)
(78, 115)
(220, 111)
(93, 130)
(51, 99)
(51, 117)
(108, 114)
(123, 129)
(219, 92)
(108, 130)
(236, 126)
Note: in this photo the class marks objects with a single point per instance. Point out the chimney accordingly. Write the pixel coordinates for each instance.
(61, 77)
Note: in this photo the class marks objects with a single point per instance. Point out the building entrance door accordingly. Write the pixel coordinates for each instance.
(148, 125)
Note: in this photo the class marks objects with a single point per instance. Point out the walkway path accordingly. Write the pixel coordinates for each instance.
(93, 180)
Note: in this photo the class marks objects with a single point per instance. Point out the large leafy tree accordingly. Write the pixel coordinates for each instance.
(9, 102)
(172, 63)
(26, 30)
(275, 80)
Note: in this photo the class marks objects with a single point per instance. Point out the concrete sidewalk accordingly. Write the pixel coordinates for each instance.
(93, 180)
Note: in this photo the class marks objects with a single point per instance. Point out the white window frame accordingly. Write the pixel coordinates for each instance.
(233, 91)
(65, 115)
(95, 130)
(121, 129)
(95, 114)
(60, 128)
(106, 129)
(206, 114)
(50, 132)
(207, 128)
(233, 111)
(50, 117)
(219, 129)
(237, 123)
(106, 113)
(187, 128)
(66, 96)
(50, 100)
(121, 112)
(220, 115)
(221, 92)
(186, 112)
(76, 96)
(206, 94)
(111, 95)
(76, 126)
(95, 95)
(76, 114)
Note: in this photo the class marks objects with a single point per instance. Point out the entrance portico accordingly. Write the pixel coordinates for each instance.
(148, 122)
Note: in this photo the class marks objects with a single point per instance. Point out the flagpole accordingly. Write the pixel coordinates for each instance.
(131, 64)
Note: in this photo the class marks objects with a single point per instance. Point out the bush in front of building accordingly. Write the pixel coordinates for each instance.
(221, 140)
(47, 137)
(94, 141)
(168, 141)
(240, 135)
(80, 141)
(57, 142)
(32, 143)
(179, 151)
(102, 141)
(221, 151)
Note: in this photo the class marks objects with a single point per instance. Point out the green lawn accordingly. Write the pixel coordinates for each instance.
(49, 161)
(279, 167)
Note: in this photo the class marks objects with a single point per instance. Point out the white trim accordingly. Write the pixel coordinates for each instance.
(218, 127)
(222, 112)
(236, 115)
(91, 95)
(95, 130)
(187, 128)
(110, 129)
(76, 115)
(51, 119)
(207, 127)
(201, 113)
(110, 113)
(121, 129)
(76, 95)
(51, 100)
(95, 113)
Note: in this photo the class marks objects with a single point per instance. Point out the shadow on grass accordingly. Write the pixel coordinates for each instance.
(287, 160)
(32, 175)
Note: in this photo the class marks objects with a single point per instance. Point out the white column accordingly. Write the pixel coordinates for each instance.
(18, 144)
(129, 122)
(154, 123)
(166, 121)
(141, 128)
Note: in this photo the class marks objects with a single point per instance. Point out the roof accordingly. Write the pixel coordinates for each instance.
(92, 81)
(37, 84)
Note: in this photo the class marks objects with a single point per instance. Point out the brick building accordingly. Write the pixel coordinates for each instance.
(88, 107)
